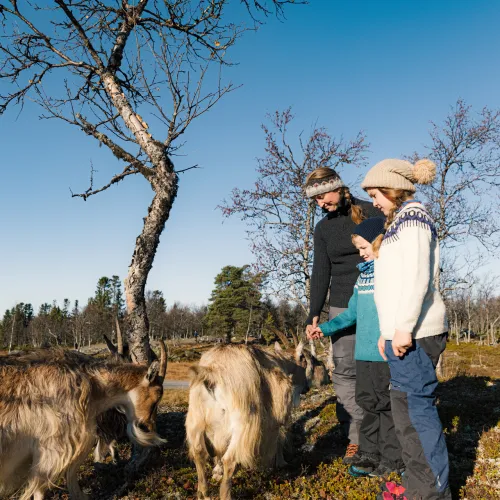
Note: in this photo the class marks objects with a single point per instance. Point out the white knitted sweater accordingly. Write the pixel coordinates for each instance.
(406, 272)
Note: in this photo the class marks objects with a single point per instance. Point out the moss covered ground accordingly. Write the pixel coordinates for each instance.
(468, 403)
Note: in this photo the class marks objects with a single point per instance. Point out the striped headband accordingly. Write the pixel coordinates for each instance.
(325, 186)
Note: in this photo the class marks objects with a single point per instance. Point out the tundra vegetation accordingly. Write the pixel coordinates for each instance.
(315, 443)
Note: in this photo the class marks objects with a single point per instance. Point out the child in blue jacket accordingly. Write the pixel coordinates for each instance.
(379, 449)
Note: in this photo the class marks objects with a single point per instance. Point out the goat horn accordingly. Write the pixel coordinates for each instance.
(295, 338)
(119, 337)
(110, 344)
(281, 336)
(163, 361)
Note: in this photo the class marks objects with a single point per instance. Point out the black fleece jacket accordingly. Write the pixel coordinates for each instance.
(335, 258)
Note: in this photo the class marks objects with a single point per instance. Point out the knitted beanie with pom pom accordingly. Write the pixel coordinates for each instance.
(400, 174)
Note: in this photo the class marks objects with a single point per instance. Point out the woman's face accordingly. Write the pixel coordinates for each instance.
(328, 201)
(380, 201)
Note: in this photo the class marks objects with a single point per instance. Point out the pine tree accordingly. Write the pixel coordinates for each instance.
(236, 293)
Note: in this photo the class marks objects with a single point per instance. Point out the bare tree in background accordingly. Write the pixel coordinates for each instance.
(279, 217)
(464, 198)
(96, 63)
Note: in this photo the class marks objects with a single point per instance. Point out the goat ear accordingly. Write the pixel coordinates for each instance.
(277, 347)
(299, 350)
(153, 370)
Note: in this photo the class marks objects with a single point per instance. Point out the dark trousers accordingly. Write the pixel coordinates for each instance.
(377, 435)
(419, 430)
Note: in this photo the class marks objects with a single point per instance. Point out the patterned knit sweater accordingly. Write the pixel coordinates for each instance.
(361, 312)
(406, 272)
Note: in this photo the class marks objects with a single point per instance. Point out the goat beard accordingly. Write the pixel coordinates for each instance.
(143, 438)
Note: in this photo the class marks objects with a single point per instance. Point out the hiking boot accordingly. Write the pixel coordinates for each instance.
(350, 453)
(363, 464)
(392, 491)
(383, 470)
(358, 471)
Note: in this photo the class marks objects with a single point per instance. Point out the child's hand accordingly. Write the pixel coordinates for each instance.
(381, 347)
(314, 333)
(401, 342)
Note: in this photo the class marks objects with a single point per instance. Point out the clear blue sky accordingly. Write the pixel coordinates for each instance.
(386, 67)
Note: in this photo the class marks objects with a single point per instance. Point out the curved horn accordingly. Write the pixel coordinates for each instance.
(281, 336)
(163, 361)
(111, 347)
(119, 337)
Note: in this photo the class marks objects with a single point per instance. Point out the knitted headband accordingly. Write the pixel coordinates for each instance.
(400, 174)
(322, 186)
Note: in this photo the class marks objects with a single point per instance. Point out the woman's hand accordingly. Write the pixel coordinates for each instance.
(315, 333)
(401, 342)
(381, 347)
(311, 328)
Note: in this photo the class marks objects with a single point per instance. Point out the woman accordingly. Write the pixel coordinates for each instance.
(335, 269)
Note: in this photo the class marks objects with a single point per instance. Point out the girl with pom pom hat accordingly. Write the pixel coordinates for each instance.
(413, 323)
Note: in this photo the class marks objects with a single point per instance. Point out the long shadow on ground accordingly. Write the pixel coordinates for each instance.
(466, 406)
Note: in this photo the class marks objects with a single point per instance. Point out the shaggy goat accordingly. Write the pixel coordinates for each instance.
(240, 401)
(49, 402)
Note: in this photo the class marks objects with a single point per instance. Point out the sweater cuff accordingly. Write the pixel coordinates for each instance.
(310, 318)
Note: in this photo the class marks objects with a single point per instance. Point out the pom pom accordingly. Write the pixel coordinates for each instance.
(424, 171)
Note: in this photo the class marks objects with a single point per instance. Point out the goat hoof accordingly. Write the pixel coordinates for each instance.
(217, 472)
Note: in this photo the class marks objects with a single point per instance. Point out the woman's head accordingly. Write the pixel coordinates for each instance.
(391, 182)
(365, 234)
(399, 174)
(324, 186)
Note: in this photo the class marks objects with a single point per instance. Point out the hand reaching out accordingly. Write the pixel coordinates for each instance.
(311, 328)
(314, 333)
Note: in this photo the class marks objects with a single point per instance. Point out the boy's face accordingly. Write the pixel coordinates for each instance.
(365, 248)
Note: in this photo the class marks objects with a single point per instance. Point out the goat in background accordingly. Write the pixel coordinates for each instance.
(49, 403)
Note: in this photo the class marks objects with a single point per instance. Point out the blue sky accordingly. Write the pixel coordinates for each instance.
(387, 68)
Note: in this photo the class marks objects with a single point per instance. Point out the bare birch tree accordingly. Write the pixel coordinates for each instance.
(95, 64)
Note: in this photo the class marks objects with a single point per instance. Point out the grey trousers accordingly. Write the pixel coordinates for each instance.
(349, 413)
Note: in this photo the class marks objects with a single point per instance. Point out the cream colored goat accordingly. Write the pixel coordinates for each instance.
(240, 401)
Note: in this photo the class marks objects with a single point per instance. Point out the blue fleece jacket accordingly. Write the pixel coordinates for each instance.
(361, 312)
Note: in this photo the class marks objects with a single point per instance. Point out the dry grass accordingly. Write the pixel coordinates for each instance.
(175, 397)
(471, 359)
(179, 370)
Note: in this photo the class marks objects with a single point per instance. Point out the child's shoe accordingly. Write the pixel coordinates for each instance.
(392, 491)
(363, 464)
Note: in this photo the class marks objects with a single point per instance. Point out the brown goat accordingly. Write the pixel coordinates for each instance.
(49, 402)
(240, 401)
